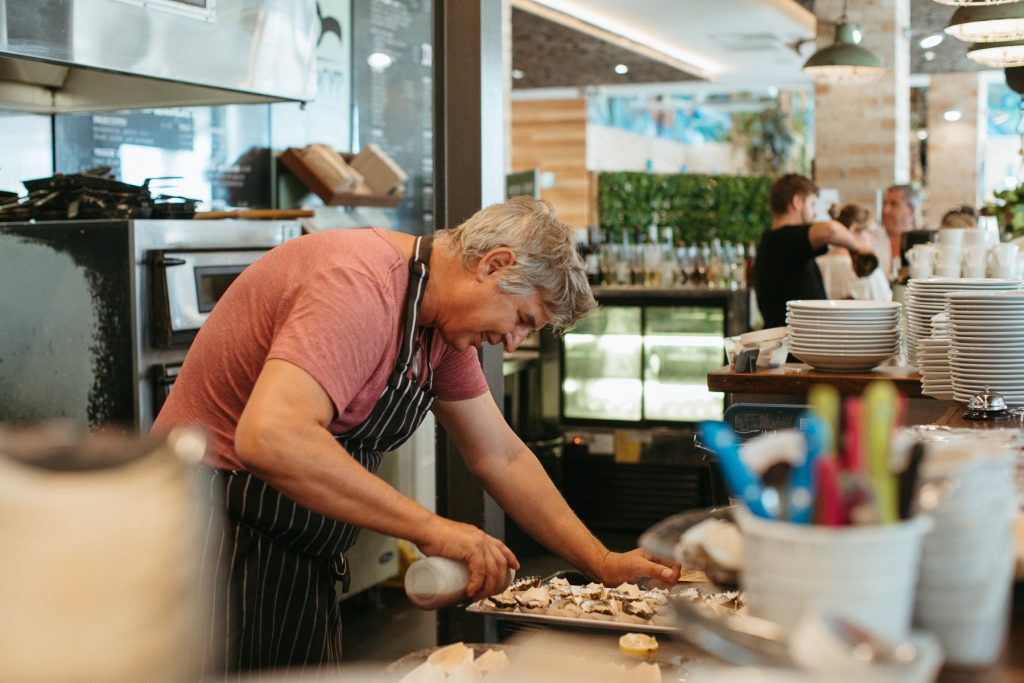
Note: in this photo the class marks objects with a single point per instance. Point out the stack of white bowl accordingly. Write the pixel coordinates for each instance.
(851, 336)
(927, 297)
(987, 344)
(967, 562)
(933, 360)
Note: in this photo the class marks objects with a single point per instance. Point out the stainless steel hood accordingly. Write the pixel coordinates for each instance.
(89, 55)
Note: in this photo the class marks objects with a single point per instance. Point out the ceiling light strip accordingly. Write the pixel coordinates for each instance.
(608, 36)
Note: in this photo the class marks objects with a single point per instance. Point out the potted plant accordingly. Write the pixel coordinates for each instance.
(1008, 208)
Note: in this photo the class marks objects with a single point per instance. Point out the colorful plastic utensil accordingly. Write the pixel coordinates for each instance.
(721, 440)
(880, 405)
(801, 483)
(824, 401)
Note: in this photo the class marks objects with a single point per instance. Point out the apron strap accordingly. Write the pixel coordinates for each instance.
(419, 273)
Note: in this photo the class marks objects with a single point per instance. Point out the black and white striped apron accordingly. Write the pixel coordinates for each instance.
(279, 560)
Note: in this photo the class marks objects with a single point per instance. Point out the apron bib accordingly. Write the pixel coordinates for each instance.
(280, 560)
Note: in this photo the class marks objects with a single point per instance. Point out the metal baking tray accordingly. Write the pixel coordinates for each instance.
(575, 578)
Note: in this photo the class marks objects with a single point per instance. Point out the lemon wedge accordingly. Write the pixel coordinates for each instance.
(638, 645)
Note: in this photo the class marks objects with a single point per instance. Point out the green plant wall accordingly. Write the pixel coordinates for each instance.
(696, 207)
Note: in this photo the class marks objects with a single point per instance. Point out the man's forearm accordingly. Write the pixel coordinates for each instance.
(526, 493)
(307, 464)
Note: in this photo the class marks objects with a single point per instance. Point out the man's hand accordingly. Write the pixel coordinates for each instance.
(488, 558)
(635, 565)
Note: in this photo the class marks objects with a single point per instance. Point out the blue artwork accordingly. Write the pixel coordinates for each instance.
(1004, 111)
(674, 117)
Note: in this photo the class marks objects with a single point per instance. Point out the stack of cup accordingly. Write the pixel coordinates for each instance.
(1003, 261)
(975, 256)
(968, 558)
(864, 573)
(950, 253)
(921, 258)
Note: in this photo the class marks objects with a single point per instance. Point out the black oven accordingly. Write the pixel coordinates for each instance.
(98, 314)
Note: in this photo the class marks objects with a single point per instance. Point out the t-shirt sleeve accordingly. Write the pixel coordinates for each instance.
(337, 330)
(459, 376)
(795, 243)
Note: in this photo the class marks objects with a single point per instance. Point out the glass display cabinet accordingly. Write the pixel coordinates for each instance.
(644, 355)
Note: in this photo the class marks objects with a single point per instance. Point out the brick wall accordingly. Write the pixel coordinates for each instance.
(862, 132)
(954, 147)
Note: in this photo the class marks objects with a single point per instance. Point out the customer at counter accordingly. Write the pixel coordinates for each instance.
(785, 268)
(326, 353)
(962, 216)
(899, 217)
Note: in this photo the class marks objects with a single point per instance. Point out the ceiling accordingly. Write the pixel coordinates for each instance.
(736, 44)
(688, 45)
(949, 56)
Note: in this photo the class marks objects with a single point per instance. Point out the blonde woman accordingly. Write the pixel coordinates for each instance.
(841, 282)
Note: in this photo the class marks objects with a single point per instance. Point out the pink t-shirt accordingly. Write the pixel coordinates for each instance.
(329, 303)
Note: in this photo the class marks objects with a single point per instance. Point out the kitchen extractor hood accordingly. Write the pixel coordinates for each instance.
(89, 55)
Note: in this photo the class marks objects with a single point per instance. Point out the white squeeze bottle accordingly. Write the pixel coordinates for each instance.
(436, 582)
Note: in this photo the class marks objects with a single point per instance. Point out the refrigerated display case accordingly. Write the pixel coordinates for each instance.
(644, 355)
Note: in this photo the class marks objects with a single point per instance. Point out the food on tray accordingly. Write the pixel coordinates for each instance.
(638, 645)
(455, 663)
(715, 547)
(451, 656)
(625, 603)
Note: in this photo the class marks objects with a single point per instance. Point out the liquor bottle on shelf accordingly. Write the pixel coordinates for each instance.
(592, 257)
(682, 264)
(751, 257)
(739, 267)
(714, 264)
(698, 266)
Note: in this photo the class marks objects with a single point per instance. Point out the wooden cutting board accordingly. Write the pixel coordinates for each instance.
(255, 214)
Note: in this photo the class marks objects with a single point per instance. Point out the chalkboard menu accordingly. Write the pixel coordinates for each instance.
(221, 154)
(393, 97)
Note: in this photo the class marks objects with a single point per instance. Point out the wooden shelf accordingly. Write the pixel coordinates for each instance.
(796, 379)
(292, 160)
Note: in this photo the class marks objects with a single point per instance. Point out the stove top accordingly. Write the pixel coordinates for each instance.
(91, 194)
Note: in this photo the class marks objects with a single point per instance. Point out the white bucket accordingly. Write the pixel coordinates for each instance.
(866, 573)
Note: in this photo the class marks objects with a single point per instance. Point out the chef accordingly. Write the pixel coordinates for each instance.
(328, 352)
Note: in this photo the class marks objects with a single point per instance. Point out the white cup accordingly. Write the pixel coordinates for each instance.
(945, 270)
(976, 236)
(1005, 254)
(867, 573)
(990, 227)
(922, 255)
(952, 236)
(1009, 271)
(949, 253)
(975, 254)
(974, 270)
(921, 272)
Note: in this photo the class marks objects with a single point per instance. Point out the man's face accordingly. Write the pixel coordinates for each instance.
(809, 210)
(897, 214)
(477, 311)
(496, 318)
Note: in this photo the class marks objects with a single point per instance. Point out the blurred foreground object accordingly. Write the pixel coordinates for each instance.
(101, 540)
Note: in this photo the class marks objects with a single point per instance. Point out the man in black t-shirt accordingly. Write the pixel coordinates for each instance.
(785, 268)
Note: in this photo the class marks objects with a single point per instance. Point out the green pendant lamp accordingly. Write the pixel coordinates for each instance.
(974, 3)
(987, 23)
(845, 61)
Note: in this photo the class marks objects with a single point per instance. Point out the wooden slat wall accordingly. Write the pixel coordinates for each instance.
(551, 135)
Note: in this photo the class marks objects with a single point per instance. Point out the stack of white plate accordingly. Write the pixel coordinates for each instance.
(933, 360)
(987, 344)
(926, 297)
(851, 336)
